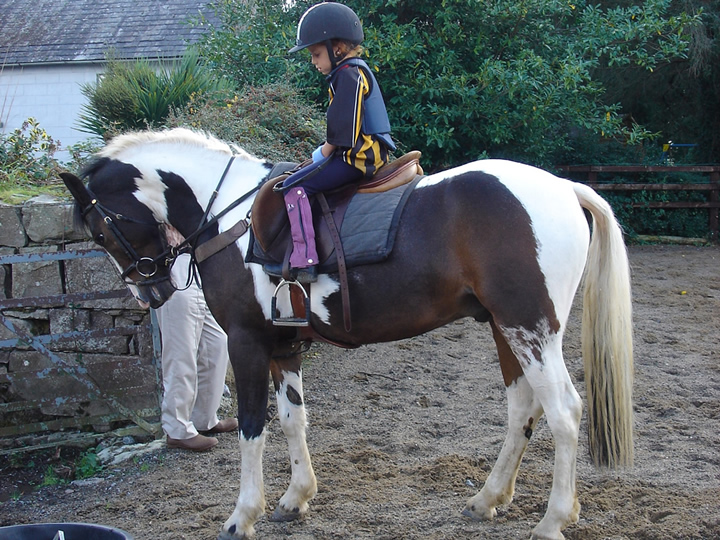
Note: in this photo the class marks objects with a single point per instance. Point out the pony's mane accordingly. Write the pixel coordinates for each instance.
(171, 136)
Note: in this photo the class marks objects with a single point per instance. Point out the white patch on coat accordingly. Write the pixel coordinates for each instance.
(562, 236)
(318, 292)
(151, 192)
(525, 343)
(436, 178)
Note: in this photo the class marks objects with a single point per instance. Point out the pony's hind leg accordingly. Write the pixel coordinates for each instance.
(547, 376)
(523, 414)
(524, 411)
(563, 410)
(287, 377)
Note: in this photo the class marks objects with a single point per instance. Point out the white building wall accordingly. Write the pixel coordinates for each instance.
(50, 94)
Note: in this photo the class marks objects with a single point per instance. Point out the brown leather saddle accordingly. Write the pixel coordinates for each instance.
(269, 220)
(271, 232)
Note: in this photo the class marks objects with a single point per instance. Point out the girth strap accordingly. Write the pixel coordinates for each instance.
(342, 267)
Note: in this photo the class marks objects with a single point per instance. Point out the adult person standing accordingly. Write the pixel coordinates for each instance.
(194, 364)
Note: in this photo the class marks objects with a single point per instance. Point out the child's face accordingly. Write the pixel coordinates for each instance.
(319, 58)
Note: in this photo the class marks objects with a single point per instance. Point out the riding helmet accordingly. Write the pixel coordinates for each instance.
(326, 21)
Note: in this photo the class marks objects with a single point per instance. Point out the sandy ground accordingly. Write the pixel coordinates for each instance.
(402, 434)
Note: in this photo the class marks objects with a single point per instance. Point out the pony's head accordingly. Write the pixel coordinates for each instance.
(118, 222)
(142, 181)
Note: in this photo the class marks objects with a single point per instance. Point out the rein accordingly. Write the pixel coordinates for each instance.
(189, 244)
(147, 267)
(213, 197)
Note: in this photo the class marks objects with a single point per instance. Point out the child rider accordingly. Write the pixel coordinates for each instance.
(358, 129)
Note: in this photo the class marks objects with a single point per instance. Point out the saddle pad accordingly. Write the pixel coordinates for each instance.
(368, 230)
(369, 227)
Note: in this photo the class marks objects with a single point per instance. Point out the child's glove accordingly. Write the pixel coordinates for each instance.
(317, 155)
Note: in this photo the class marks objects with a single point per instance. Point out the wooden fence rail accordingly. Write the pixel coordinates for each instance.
(711, 188)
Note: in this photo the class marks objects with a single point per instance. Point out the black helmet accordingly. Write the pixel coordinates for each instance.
(327, 21)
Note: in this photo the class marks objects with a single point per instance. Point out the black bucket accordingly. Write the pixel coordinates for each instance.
(70, 531)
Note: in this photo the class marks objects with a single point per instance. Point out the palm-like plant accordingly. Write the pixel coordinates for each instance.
(141, 94)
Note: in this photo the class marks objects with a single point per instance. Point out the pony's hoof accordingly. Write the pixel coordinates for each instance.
(477, 515)
(281, 514)
(224, 535)
(558, 536)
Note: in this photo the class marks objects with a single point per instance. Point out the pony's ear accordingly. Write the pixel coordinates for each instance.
(77, 188)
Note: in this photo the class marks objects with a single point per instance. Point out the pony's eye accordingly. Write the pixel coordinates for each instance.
(100, 239)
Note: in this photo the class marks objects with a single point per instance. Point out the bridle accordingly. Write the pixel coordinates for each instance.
(147, 267)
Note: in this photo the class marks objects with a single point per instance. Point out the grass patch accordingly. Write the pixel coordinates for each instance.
(28, 166)
(16, 189)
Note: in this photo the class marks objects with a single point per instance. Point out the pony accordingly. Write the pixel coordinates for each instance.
(502, 242)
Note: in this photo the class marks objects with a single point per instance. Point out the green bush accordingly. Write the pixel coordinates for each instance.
(28, 166)
(138, 95)
(87, 465)
(461, 77)
(27, 163)
(272, 121)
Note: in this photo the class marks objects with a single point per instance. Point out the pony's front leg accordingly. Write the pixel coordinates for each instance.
(251, 500)
(250, 365)
(287, 376)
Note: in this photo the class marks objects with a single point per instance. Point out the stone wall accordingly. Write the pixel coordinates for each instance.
(77, 382)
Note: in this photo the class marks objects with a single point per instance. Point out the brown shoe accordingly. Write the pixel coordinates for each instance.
(223, 426)
(198, 443)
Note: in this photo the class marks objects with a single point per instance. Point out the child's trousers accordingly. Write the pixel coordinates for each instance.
(323, 175)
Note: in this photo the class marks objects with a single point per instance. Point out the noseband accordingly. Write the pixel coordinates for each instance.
(147, 267)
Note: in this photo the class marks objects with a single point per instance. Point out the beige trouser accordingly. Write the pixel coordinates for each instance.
(194, 359)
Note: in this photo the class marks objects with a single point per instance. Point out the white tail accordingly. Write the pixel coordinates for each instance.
(607, 343)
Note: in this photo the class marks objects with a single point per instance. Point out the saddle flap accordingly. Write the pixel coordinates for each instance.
(268, 213)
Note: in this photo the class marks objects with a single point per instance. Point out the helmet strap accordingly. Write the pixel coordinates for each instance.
(331, 54)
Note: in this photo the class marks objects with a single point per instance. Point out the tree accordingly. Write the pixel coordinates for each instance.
(681, 99)
(250, 45)
(463, 78)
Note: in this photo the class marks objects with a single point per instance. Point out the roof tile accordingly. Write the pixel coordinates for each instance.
(49, 31)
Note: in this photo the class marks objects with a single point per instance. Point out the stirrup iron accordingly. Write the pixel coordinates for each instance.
(290, 321)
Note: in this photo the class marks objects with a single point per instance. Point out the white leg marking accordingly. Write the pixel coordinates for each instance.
(303, 485)
(554, 391)
(251, 500)
(563, 409)
(524, 411)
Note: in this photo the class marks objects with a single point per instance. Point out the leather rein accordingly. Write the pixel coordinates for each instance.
(147, 267)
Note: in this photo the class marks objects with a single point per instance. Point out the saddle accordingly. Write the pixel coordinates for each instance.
(270, 243)
(269, 219)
